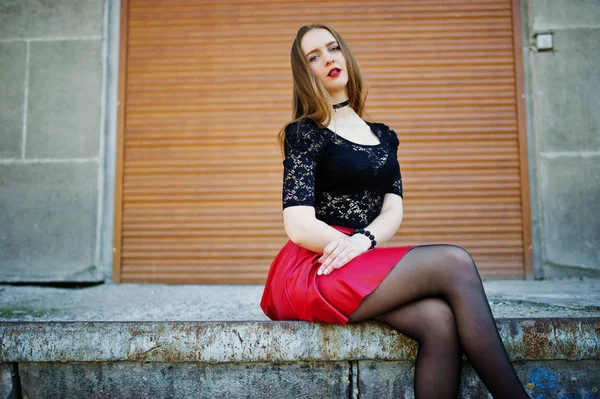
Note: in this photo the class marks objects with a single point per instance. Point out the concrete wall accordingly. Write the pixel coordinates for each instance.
(57, 131)
(331, 380)
(51, 119)
(564, 136)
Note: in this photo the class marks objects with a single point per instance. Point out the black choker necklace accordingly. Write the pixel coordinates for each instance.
(341, 105)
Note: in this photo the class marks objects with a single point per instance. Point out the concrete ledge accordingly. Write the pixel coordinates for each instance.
(189, 302)
(184, 380)
(364, 379)
(222, 342)
(542, 380)
(172, 341)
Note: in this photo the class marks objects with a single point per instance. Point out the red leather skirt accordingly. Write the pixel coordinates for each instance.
(294, 291)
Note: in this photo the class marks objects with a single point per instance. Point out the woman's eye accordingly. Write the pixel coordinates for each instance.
(335, 48)
(311, 59)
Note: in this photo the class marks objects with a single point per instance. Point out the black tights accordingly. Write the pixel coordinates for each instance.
(435, 296)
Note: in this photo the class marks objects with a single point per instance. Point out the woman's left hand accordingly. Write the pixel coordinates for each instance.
(341, 251)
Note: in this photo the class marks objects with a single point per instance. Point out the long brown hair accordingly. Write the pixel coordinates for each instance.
(310, 98)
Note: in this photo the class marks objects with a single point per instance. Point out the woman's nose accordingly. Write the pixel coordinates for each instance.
(329, 60)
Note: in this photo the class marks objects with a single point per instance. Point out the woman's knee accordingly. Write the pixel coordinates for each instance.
(462, 264)
(437, 320)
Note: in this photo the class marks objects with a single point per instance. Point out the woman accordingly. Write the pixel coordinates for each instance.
(342, 198)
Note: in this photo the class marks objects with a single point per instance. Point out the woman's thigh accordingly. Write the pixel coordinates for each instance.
(425, 271)
(429, 317)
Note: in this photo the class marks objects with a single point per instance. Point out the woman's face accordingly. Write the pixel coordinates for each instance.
(326, 60)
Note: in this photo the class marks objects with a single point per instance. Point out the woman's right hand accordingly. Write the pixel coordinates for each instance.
(341, 251)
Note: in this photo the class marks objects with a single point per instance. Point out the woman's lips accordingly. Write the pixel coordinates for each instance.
(334, 73)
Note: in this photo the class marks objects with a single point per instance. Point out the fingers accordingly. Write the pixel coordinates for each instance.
(328, 250)
(336, 255)
(328, 255)
(340, 260)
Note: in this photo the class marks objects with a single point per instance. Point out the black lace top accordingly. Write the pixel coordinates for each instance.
(345, 182)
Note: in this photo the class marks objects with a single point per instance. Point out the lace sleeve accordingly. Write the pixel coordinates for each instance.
(397, 182)
(303, 144)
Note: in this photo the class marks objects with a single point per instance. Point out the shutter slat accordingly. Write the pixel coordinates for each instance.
(208, 90)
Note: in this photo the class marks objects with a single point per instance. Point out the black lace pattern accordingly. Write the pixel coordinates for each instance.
(361, 207)
(344, 181)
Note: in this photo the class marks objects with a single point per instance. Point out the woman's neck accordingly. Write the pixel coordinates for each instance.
(339, 96)
(343, 113)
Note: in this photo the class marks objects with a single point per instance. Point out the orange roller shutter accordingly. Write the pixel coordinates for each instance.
(205, 87)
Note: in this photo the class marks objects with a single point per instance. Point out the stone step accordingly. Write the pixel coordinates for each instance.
(193, 341)
(554, 357)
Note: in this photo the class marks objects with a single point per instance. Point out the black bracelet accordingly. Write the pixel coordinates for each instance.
(368, 234)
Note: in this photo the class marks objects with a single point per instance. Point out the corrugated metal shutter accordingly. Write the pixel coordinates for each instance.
(208, 86)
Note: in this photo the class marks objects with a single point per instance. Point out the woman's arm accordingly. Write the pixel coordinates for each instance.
(304, 229)
(305, 141)
(387, 223)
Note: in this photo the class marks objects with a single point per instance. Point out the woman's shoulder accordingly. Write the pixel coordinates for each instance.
(302, 125)
(385, 131)
(380, 125)
(306, 130)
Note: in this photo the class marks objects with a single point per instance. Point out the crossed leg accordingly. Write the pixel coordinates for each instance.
(449, 273)
(430, 322)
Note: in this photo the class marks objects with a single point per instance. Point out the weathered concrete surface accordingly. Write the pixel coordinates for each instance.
(10, 386)
(556, 379)
(65, 82)
(187, 302)
(34, 18)
(147, 380)
(568, 202)
(12, 81)
(207, 342)
(558, 14)
(51, 72)
(214, 342)
(572, 73)
(48, 219)
(564, 135)
(376, 379)
(177, 334)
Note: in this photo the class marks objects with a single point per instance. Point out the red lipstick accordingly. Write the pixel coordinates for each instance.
(334, 72)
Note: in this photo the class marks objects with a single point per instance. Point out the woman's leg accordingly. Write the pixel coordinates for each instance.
(431, 323)
(449, 272)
